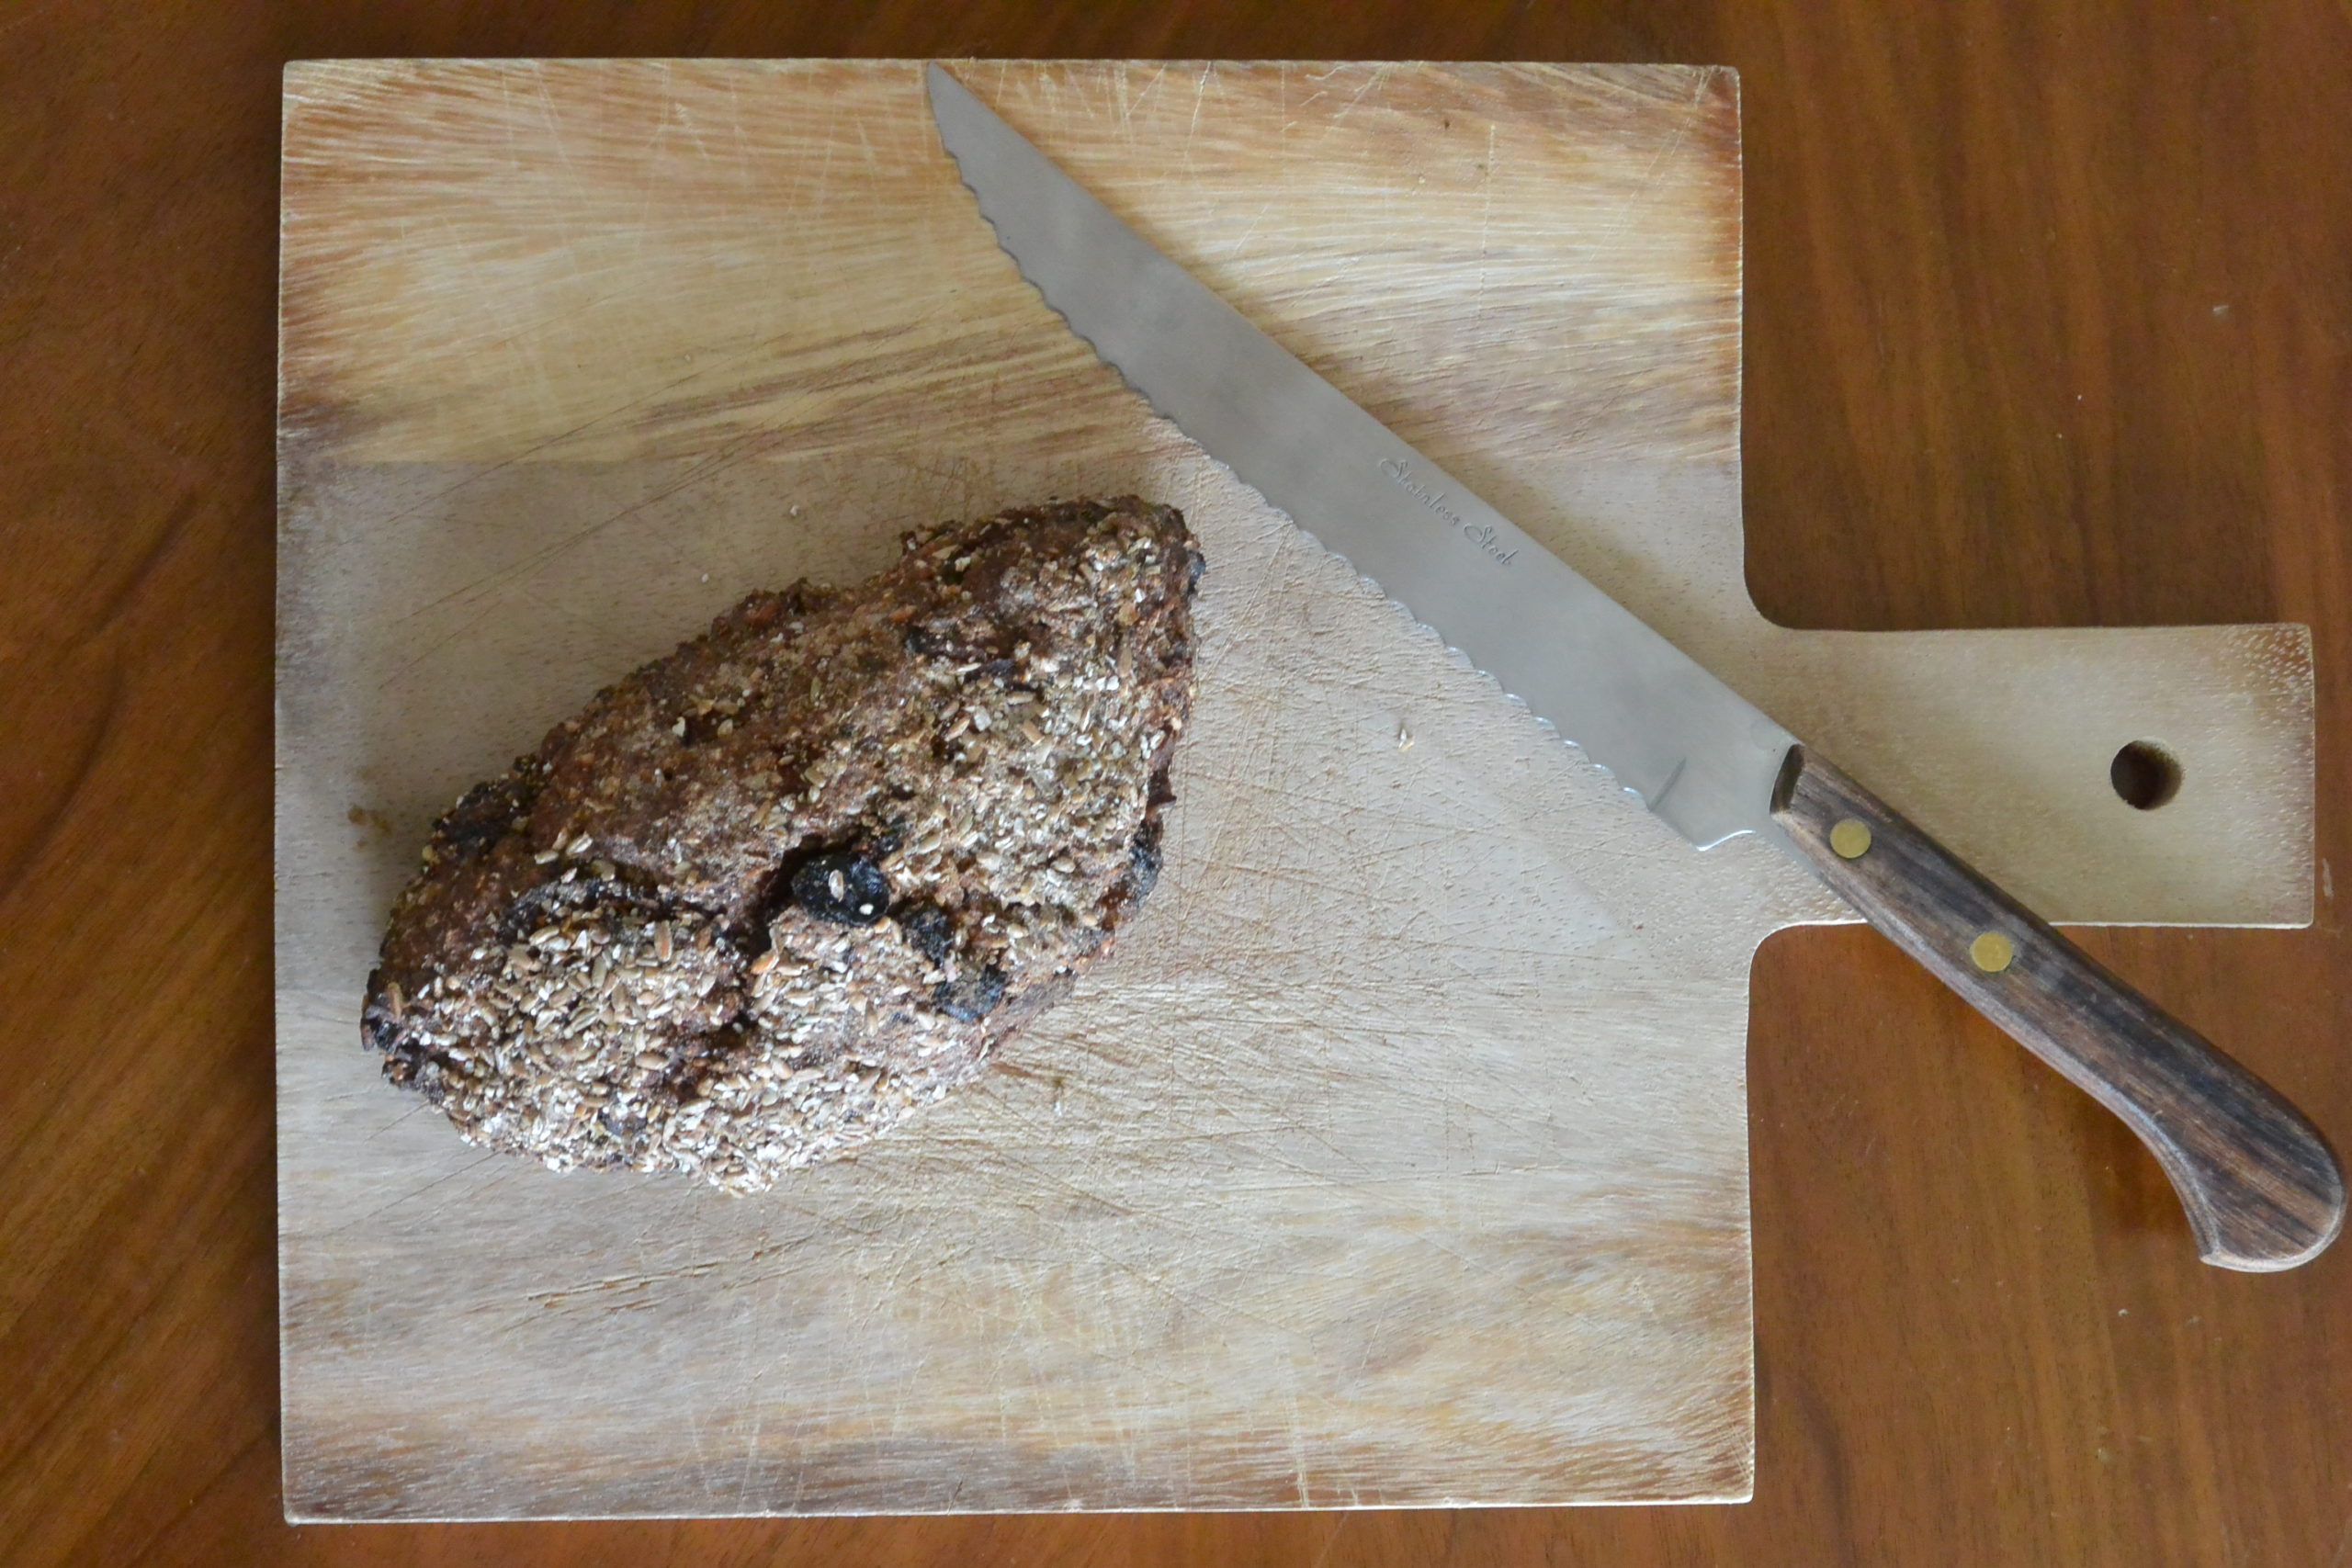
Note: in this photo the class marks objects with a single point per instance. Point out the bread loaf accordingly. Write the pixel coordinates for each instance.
(763, 898)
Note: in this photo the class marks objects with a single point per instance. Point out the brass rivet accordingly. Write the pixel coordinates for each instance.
(1992, 952)
(1850, 839)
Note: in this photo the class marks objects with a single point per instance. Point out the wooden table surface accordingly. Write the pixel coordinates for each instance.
(2050, 323)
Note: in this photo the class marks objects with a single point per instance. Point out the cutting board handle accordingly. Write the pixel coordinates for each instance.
(2261, 1186)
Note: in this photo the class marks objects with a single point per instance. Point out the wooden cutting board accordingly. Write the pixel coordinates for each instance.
(1399, 1156)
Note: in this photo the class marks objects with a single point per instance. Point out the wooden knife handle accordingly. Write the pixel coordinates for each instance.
(2260, 1184)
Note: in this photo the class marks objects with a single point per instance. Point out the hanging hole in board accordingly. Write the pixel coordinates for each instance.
(2144, 775)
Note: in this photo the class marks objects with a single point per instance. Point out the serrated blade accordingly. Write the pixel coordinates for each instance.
(1695, 751)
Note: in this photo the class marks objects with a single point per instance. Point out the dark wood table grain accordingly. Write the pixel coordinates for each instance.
(2049, 313)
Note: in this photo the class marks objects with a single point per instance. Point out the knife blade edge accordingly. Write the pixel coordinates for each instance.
(1662, 710)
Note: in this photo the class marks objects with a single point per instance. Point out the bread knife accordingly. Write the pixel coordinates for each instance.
(2260, 1185)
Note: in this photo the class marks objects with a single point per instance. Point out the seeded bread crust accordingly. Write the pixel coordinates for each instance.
(763, 898)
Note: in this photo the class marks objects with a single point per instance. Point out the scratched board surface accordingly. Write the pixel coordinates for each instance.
(1399, 1155)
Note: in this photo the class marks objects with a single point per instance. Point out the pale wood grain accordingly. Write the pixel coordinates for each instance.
(1401, 1156)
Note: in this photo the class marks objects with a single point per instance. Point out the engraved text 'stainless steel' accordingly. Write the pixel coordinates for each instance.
(2260, 1186)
